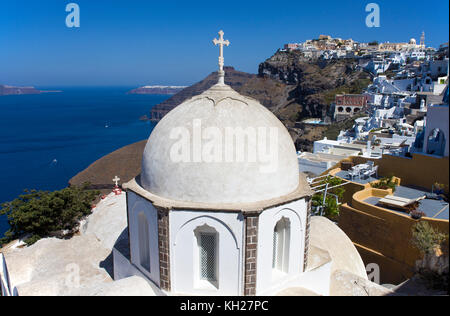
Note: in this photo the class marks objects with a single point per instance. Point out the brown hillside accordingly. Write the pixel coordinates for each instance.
(124, 163)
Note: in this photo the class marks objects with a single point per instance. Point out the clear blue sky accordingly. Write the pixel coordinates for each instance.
(137, 42)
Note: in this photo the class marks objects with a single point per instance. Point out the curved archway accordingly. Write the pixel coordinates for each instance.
(281, 245)
(206, 257)
(204, 222)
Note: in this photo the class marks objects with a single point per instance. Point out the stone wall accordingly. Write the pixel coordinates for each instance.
(163, 244)
(251, 246)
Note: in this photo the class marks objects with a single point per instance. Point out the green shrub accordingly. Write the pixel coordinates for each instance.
(38, 214)
(426, 238)
(385, 183)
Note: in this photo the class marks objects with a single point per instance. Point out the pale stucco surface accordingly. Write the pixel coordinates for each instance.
(52, 266)
(328, 236)
(108, 220)
(132, 286)
(344, 283)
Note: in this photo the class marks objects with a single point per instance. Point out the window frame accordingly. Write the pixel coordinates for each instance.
(199, 282)
(281, 248)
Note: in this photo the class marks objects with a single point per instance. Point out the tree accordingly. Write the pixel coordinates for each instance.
(39, 214)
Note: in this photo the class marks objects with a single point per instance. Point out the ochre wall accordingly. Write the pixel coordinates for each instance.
(420, 170)
(384, 237)
(391, 271)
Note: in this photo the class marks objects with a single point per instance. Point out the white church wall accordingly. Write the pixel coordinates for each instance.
(136, 206)
(123, 269)
(267, 278)
(317, 280)
(184, 254)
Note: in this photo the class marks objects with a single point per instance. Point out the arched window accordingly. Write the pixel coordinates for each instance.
(144, 242)
(281, 240)
(208, 250)
(208, 253)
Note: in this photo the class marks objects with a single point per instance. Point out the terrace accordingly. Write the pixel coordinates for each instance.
(431, 207)
(438, 209)
(361, 180)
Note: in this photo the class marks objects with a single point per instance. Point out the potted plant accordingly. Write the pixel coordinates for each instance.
(385, 183)
(416, 214)
(439, 188)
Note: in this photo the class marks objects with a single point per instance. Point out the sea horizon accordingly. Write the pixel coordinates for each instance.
(49, 138)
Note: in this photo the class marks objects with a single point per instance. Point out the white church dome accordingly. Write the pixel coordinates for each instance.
(192, 154)
(412, 41)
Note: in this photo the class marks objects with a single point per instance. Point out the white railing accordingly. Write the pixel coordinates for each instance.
(4, 277)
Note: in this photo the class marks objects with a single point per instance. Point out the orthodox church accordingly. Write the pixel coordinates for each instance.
(220, 207)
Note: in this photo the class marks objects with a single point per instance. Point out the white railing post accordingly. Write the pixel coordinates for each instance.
(4, 277)
(324, 199)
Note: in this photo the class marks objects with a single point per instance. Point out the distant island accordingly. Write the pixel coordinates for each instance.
(12, 90)
(157, 90)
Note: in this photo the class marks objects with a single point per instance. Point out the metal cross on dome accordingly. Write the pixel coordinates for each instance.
(221, 42)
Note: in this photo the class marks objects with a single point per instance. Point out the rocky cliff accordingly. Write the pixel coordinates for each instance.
(314, 82)
(271, 93)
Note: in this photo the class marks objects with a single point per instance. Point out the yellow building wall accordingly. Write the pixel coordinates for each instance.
(420, 170)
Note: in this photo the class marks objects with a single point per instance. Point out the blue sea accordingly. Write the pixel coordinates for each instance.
(46, 139)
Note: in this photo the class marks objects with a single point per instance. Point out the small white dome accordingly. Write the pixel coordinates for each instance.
(207, 121)
(412, 41)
